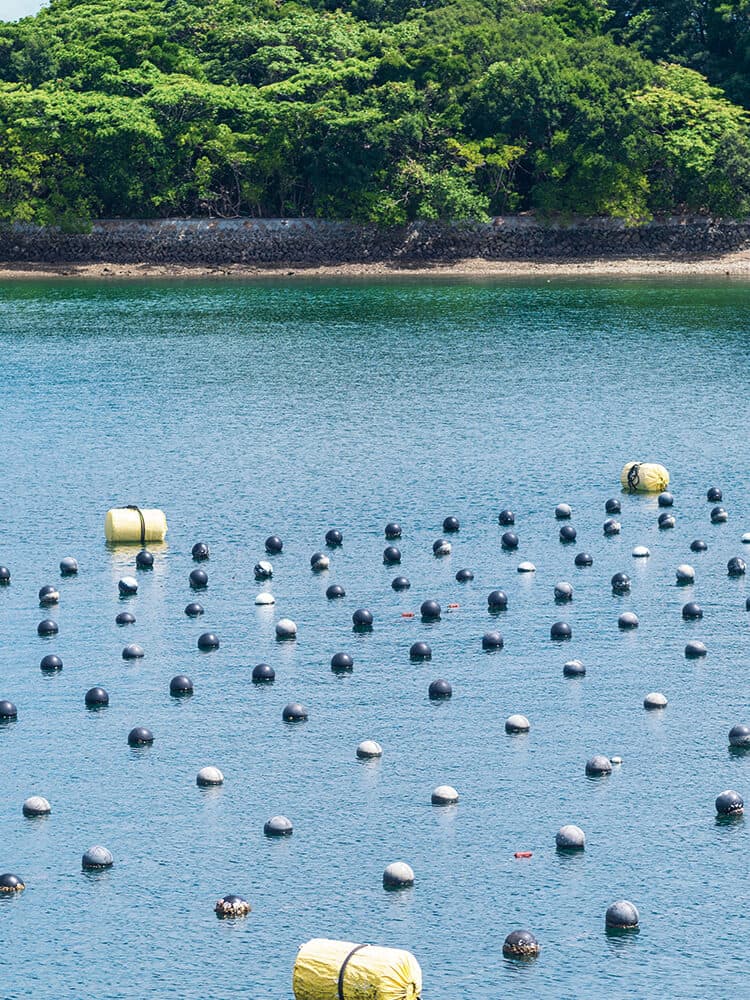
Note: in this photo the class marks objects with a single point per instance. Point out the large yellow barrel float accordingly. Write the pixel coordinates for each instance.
(644, 477)
(342, 970)
(135, 524)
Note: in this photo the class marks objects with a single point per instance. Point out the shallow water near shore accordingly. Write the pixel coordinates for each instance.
(247, 409)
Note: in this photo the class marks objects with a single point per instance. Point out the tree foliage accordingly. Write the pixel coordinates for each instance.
(376, 110)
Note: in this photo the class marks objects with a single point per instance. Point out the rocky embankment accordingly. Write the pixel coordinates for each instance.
(309, 242)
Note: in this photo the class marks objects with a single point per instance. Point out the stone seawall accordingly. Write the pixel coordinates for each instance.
(309, 241)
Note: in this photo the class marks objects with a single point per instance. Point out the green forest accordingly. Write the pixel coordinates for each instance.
(380, 111)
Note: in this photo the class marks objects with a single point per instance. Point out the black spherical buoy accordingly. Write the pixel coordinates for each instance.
(598, 765)
(392, 530)
(194, 610)
(729, 803)
(563, 592)
(567, 534)
(584, 559)
(294, 712)
(4, 576)
(451, 524)
(620, 583)
(430, 611)
(613, 506)
(574, 668)
(713, 494)
(278, 826)
(342, 663)
(286, 630)
(691, 611)
(695, 650)
(209, 777)
(698, 545)
(51, 664)
(719, 515)
(96, 697)
(49, 595)
(180, 686)
(611, 527)
(570, 838)
(520, 944)
(441, 547)
(560, 630)
(231, 906)
(401, 583)
(509, 540)
(208, 640)
(666, 521)
(97, 858)
(747, 604)
(263, 674)
(133, 652)
(144, 559)
(464, 576)
(739, 736)
(665, 499)
(8, 710)
(334, 538)
(391, 556)
(506, 517)
(263, 570)
(200, 552)
(334, 591)
(439, 689)
(47, 627)
(319, 562)
(563, 512)
(68, 566)
(621, 916)
(420, 651)
(125, 618)
(274, 544)
(492, 640)
(627, 620)
(199, 579)
(497, 600)
(11, 883)
(736, 566)
(362, 620)
(140, 736)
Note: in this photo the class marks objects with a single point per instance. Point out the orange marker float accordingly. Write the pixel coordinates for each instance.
(523, 854)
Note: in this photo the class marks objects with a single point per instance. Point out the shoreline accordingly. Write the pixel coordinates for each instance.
(733, 265)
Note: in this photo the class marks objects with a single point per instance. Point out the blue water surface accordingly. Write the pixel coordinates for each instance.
(246, 409)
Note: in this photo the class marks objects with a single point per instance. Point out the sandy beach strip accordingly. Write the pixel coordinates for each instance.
(733, 265)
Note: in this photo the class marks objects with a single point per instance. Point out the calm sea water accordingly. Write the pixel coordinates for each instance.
(243, 410)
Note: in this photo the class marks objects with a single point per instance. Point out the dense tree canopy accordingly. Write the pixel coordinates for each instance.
(379, 110)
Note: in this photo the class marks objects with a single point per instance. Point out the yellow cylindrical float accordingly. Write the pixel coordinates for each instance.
(342, 970)
(135, 524)
(644, 477)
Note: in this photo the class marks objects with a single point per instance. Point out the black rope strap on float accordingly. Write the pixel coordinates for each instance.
(132, 506)
(633, 477)
(344, 964)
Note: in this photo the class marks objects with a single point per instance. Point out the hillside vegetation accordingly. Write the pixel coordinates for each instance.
(374, 110)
